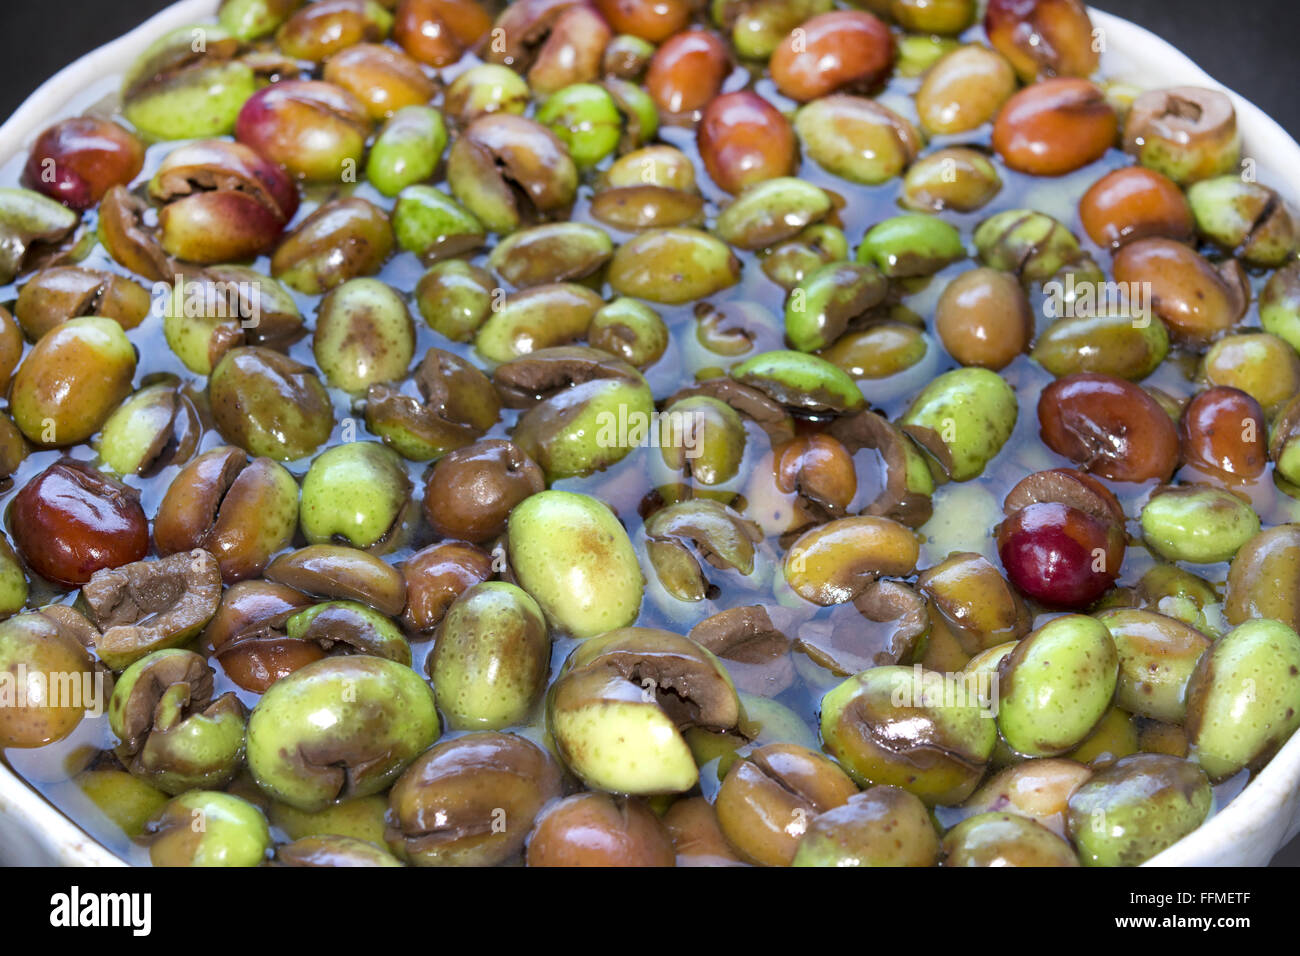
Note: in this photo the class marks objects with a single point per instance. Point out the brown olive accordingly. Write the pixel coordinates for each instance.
(687, 72)
(1224, 434)
(1055, 127)
(11, 348)
(768, 798)
(573, 50)
(315, 130)
(66, 292)
(1135, 203)
(743, 139)
(270, 405)
(37, 657)
(438, 32)
(1109, 426)
(848, 50)
(70, 521)
(1043, 37)
(983, 318)
(697, 838)
(247, 637)
(321, 29)
(436, 576)
(964, 90)
(1199, 301)
(596, 829)
(653, 20)
(1264, 580)
(471, 491)
(470, 801)
(382, 78)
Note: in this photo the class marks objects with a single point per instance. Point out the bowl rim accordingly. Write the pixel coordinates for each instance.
(1243, 820)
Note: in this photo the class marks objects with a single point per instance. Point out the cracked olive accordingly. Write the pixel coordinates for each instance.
(384, 80)
(337, 571)
(492, 657)
(882, 826)
(888, 725)
(341, 727)
(834, 562)
(1038, 788)
(1109, 426)
(435, 577)
(71, 520)
(629, 330)
(470, 801)
(320, 30)
(1186, 132)
(156, 427)
(768, 798)
(315, 130)
(856, 138)
(486, 88)
(343, 239)
(459, 404)
(172, 91)
(1138, 806)
(471, 491)
(823, 305)
(772, 211)
(970, 413)
(1043, 37)
(587, 579)
(356, 492)
(1244, 218)
(1056, 685)
(429, 223)
(1243, 700)
(799, 380)
(208, 828)
(1157, 655)
(269, 405)
(1197, 299)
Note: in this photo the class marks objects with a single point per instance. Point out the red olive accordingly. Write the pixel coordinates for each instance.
(843, 50)
(1198, 300)
(1043, 37)
(687, 72)
(71, 521)
(1109, 426)
(1224, 433)
(437, 32)
(438, 575)
(1055, 127)
(1059, 555)
(596, 829)
(77, 160)
(744, 139)
(1135, 203)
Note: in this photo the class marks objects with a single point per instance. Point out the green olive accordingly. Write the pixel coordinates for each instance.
(882, 826)
(356, 492)
(208, 828)
(1005, 839)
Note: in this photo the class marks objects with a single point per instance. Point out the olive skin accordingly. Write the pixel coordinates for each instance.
(77, 160)
(270, 405)
(1054, 127)
(37, 657)
(743, 140)
(596, 829)
(312, 738)
(1135, 203)
(1005, 839)
(843, 49)
(471, 491)
(1042, 37)
(234, 831)
(70, 521)
(964, 90)
(470, 801)
(71, 380)
(1157, 656)
(1263, 577)
(1138, 806)
(492, 657)
(983, 318)
(881, 826)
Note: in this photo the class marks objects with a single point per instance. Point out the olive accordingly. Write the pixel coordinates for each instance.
(435, 576)
(254, 19)
(172, 91)
(70, 521)
(343, 239)
(1279, 304)
(964, 90)
(1260, 579)
(1197, 523)
(673, 266)
(208, 828)
(969, 413)
(1005, 839)
(49, 681)
(269, 404)
(1054, 127)
(1197, 300)
(954, 178)
(1186, 132)
(983, 318)
(1109, 426)
(630, 330)
(438, 32)
(315, 130)
(77, 160)
(585, 118)
(697, 838)
(892, 725)
(596, 829)
(337, 571)
(126, 800)
(743, 139)
(486, 88)
(1243, 699)
(1056, 685)
(364, 335)
(974, 600)
(492, 657)
(1157, 655)
(320, 30)
(841, 50)
(686, 72)
(857, 138)
(455, 298)
(1112, 343)
(471, 491)
(1043, 37)
(407, 150)
(911, 245)
(1138, 806)
(574, 42)
(356, 493)
(1038, 788)
(470, 801)
(312, 736)
(768, 798)
(383, 79)
(1135, 203)
(882, 826)
(246, 634)
(1263, 366)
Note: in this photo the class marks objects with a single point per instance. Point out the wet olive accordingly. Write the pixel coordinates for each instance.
(983, 319)
(596, 829)
(882, 826)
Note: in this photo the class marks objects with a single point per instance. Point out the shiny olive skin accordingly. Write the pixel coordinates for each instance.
(1130, 811)
(438, 32)
(435, 577)
(1197, 300)
(881, 826)
(983, 319)
(1261, 578)
(311, 128)
(1054, 127)
(471, 491)
(743, 139)
(234, 831)
(1005, 839)
(596, 829)
(1043, 37)
(1135, 203)
(248, 610)
(964, 90)
(70, 521)
(687, 72)
(269, 404)
(35, 654)
(1060, 555)
(1079, 414)
(76, 160)
(842, 50)
(470, 801)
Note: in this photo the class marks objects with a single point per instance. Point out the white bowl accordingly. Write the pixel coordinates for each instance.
(1247, 832)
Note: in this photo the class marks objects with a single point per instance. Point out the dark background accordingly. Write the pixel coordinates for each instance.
(1248, 45)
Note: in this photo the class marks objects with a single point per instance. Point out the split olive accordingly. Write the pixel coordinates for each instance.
(1157, 655)
(596, 829)
(208, 828)
(1186, 132)
(339, 728)
(337, 571)
(969, 413)
(435, 577)
(357, 493)
(893, 725)
(824, 303)
(471, 491)
(630, 330)
(834, 562)
(172, 92)
(429, 223)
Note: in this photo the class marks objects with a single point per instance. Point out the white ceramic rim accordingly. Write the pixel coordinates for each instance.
(1262, 815)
